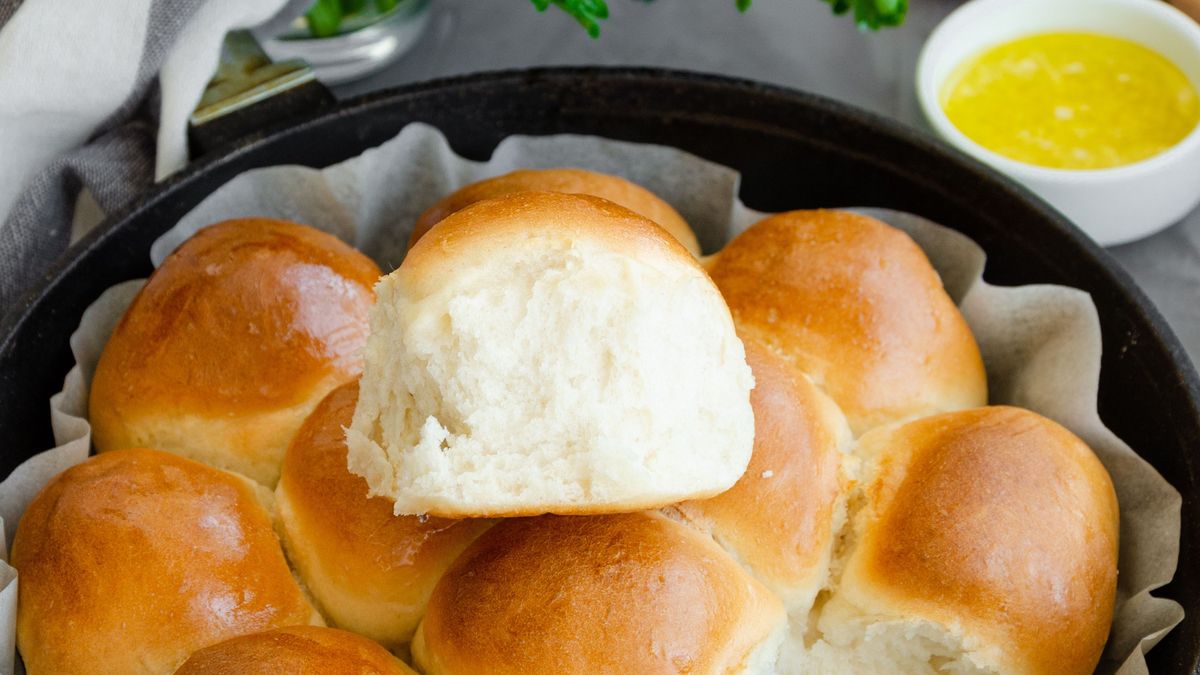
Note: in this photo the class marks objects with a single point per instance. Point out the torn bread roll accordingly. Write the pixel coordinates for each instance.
(544, 352)
(231, 343)
(574, 181)
(984, 541)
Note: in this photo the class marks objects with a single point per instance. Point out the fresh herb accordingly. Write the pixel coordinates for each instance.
(872, 14)
(868, 14)
(587, 12)
(326, 16)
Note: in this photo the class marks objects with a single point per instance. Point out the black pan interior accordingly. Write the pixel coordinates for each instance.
(794, 151)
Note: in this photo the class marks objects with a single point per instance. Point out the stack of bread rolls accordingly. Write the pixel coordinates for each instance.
(552, 441)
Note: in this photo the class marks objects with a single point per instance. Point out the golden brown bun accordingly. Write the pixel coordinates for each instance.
(370, 571)
(995, 520)
(542, 216)
(630, 593)
(779, 519)
(233, 340)
(576, 181)
(855, 303)
(134, 559)
(296, 650)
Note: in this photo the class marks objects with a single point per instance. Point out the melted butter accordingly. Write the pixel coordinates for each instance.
(1072, 101)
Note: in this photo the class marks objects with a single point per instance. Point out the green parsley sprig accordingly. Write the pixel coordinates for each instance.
(872, 14)
(868, 14)
(589, 13)
(325, 18)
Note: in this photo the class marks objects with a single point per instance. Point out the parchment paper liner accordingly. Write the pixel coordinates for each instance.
(1041, 344)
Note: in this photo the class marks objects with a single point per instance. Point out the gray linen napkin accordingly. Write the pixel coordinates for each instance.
(125, 149)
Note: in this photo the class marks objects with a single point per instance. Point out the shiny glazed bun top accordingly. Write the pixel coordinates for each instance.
(296, 650)
(370, 571)
(230, 344)
(990, 533)
(574, 181)
(546, 352)
(856, 305)
(133, 559)
(630, 593)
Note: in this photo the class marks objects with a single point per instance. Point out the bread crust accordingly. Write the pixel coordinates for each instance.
(856, 305)
(573, 181)
(996, 521)
(779, 518)
(295, 650)
(133, 559)
(628, 593)
(371, 572)
(230, 344)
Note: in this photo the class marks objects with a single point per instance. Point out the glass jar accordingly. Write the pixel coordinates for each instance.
(364, 43)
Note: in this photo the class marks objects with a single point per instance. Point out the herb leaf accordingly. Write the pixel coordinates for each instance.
(324, 17)
(587, 12)
(872, 14)
(868, 14)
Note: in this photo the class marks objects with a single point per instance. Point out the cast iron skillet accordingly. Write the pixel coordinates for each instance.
(794, 150)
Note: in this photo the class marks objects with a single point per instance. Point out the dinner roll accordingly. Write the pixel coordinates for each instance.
(230, 344)
(629, 593)
(781, 518)
(986, 542)
(134, 559)
(296, 650)
(370, 571)
(577, 181)
(855, 303)
(545, 352)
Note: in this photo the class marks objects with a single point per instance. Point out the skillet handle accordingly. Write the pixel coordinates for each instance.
(250, 93)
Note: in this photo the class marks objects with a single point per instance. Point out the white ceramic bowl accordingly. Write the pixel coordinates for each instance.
(1112, 205)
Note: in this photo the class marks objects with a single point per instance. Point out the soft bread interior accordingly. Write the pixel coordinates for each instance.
(554, 371)
(869, 645)
(835, 637)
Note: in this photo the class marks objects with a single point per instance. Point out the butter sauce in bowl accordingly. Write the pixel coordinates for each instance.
(1092, 104)
(1072, 101)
